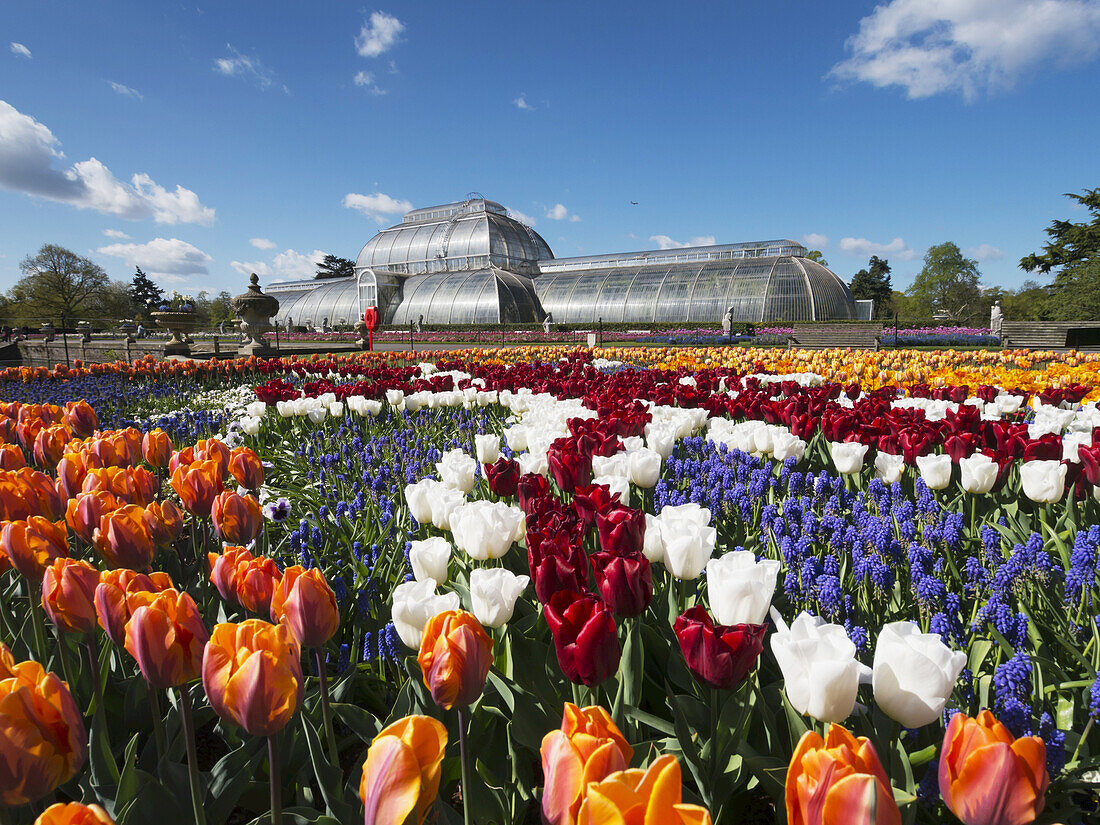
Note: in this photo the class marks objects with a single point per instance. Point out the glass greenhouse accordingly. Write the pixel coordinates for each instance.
(471, 263)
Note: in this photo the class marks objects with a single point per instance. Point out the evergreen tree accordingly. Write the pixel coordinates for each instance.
(1074, 250)
(142, 290)
(874, 283)
(817, 256)
(333, 266)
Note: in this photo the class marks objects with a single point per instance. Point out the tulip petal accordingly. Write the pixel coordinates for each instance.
(993, 787)
(859, 799)
(391, 782)
(563, 769)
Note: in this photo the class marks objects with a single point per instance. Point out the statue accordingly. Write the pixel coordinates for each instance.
(420, 323)
(727, 321)
(996, 318)
(547, 321)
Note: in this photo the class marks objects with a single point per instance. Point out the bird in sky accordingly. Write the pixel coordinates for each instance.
(633, 203)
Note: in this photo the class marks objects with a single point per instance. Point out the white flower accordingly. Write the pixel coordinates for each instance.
(256, 409)
(534, 462)
(250, 425)
(660, 440)
(935, 469)
(644, 467)
(688, 540)
(419, 499)
(284, 408)
(785, 444)
(979, 473)
(914, 674)
(847, 456)
(336, 409)
(487, 447)
(1043, 481)
(821, 674)
(741, 587)
(430, 559)
(444, 502)
(611, 465)
(317, 414)
(414, 603)
(493, 594)
(653, 547)
(888, 467)
(486, 529)
(516, 436)
(457, 470)
(615, 484)
(394, 397)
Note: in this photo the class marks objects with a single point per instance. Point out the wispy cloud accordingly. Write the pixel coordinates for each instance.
(118, 234)
(985, 252)
(262, 243)
(665, 242)
(366, 80)
(861, 247)
(21, 50)
(161, 256)
(519, 216)
(126, 91)
(379, 206)
(379, 34)
(558, 212)
(814, 241)
(287, 264)
(967, 46)
(246, 67)
(521, 103)
(29, 150)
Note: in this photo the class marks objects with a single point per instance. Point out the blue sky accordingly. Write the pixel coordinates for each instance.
(205, 142)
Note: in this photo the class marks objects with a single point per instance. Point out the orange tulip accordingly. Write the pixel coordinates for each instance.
(7, 663)
(42, 738)
(156, 447)
(237, 519)
(304, 600)
(111, 594)
(455, 655)
(144, 485)
(164, 522)
(81, 417)
(123, 539)
(49, 446)
(587, 748)
(649, 797)
(197, 485)
(132, 438)
(256, 580)
(32, 545)
(989, 777)
(27, 431)
(838, 781)
(211, 449)
(11, 457)
(166, 636)
(74, 813)
(223, 570)
(184, 457)
(72, 469)
(401, 774)
(252, 674)
(41, 492)
(246, 468)
(68, 594)
(85, 511)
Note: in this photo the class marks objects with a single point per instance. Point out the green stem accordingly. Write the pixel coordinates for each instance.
(66, 667)
(158, 720)
(274, 780)
(326, 710)
(100, 717)
(34, 596)
(465, 767)
(1081, 741)
(192, 755)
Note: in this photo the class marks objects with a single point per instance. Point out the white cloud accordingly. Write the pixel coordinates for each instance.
(521, 103)
(117, 234)
(814, 241)
(967, 46)
(986, 252)
(558, 212)
(366, 80)
(377, 206)
(379, 34)
(519, 216)
(861, 247)
(161, 256)
(665, 242)
(28, 150)
(248, 68)
(288, 264)
(20, 49)
(126, 91)
(262, 243)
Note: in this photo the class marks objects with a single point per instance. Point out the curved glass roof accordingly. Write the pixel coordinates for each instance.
(311, 302)
(484, 296)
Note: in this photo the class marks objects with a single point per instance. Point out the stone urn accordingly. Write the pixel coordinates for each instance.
(85, 330)
(179, 324)
(127, 328)
(255, 309)
(48, 332)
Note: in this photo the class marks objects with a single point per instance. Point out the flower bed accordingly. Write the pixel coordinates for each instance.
(719, 585)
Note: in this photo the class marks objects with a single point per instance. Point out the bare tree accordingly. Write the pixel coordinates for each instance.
(58, 283)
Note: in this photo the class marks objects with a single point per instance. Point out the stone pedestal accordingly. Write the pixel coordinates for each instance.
(179, 324)
(255, 309)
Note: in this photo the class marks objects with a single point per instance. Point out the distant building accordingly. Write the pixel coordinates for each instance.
(470, 263)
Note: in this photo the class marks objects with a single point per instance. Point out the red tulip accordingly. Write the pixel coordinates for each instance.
(585, 637)
(625, 582)
(719, 655)
(569, 465)
(531, 486)
(590, 501)
(556, 565)
(621, 530)
(503, 477)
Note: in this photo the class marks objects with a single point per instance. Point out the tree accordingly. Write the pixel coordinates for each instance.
(333, 266)
(1074, 250)
(57, 284)
(142, 291)
(817, 256)
(874, 283)
(948, 285)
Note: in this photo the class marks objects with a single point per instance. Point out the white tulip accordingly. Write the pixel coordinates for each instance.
(688, 544)
(888, 467)
(611, 465)
(615, 484)
(430, 559)
(493, 594)
(1044, 481)
(979, 473)
(394, 397)
(821, 674)
(486, 529)
(740, 587)
(419, 498)
(653, 547)
(414, 603)
(413, 402)
(487, 447)
(935, 469)
(1072, 443)
(284, 408)
(644, 467)
(516, 436)
(847, 456)
(914, 674)
(457, 470)
(785, 444)
(250, 425)
(444, 502)
(256, 409)
(660, 440)
(533, 462)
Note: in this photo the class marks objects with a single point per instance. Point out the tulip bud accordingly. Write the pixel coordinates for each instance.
(164, 521)
(624, 580)
(156, 448)
(719, 655)
(213, 449)
(430, 559)
(502, 477)
(418, 498)
(11, 457)
(111, 594)
(838, 781)
(493, 594)
(889, 467)
(935, 469)
(49, 446)
(123, 539)
(688, 539)
(68, 594)
(32, 545)
(649, 797)
(401, 773)
(255, 584)
(237, 519)
(304, 601)
(487, 447)
(81, 417)
(246, 468)
(621, 530)
(197, 486)
(455, 656)
(74, 813)
(486, 529)
(987, 776)
(252, 674)
(1043, 481)
(847, 456)
(457, 470)
(166, 636)
(40, 492)
(741, 587)
(979, 473)
(585, 637)
(914, 674)
(570, 467)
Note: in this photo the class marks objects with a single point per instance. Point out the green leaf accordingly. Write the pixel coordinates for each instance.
(361, 721)
(329, 776)
(229, 778)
